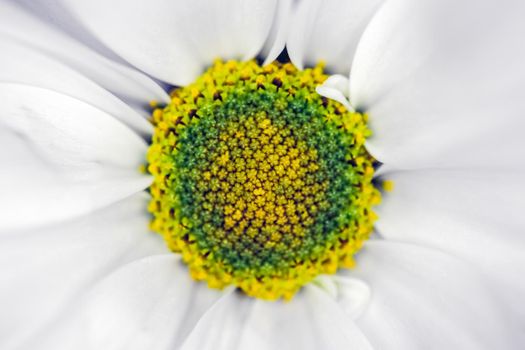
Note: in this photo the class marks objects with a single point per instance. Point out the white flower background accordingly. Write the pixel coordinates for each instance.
(443, 82)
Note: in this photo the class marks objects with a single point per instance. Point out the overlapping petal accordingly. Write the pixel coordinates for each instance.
(426, 298)
(44, 273)
(276, 40)
(474, 215)
(336, 88)
(148, 303)
(61, 157)
(443, 87)
(174, 40)
(312, 320)
(122, 80)
(328, 31)
(25, 65)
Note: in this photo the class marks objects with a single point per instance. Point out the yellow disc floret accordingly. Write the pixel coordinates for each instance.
(260, 182)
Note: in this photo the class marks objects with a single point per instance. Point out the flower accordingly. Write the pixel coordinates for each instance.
(441, 82)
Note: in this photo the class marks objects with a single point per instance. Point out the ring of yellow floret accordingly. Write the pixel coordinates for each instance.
(260, 182)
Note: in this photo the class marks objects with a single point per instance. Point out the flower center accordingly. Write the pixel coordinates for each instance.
(260, 182)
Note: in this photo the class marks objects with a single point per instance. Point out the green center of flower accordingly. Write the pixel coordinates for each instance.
(258, 181)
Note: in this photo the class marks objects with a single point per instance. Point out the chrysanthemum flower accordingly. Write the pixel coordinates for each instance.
(166, 184)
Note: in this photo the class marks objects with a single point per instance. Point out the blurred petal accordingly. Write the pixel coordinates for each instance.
(475, 215)
(44, 272)
(328, 31)
(61, 157)
(443, 88)
(118, 78)
(28, 66)
(175, 40)
(312, 320)
(425, 299)
(352, 295)
(150, 303)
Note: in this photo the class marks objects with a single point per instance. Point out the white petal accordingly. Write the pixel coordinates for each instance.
(55, 15)
(352, 295)
(336, 88)
(175, 40)
(61, 157)
(44, 272)
(151, 303)
(475, 215)
(443, 88)
(328, 31)
(312, 320)
(276, 40)
(28, 66)
(425, 299)
(327, 283)
(120, 79)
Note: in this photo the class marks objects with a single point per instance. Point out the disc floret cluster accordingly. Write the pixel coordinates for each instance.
(259, 182)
